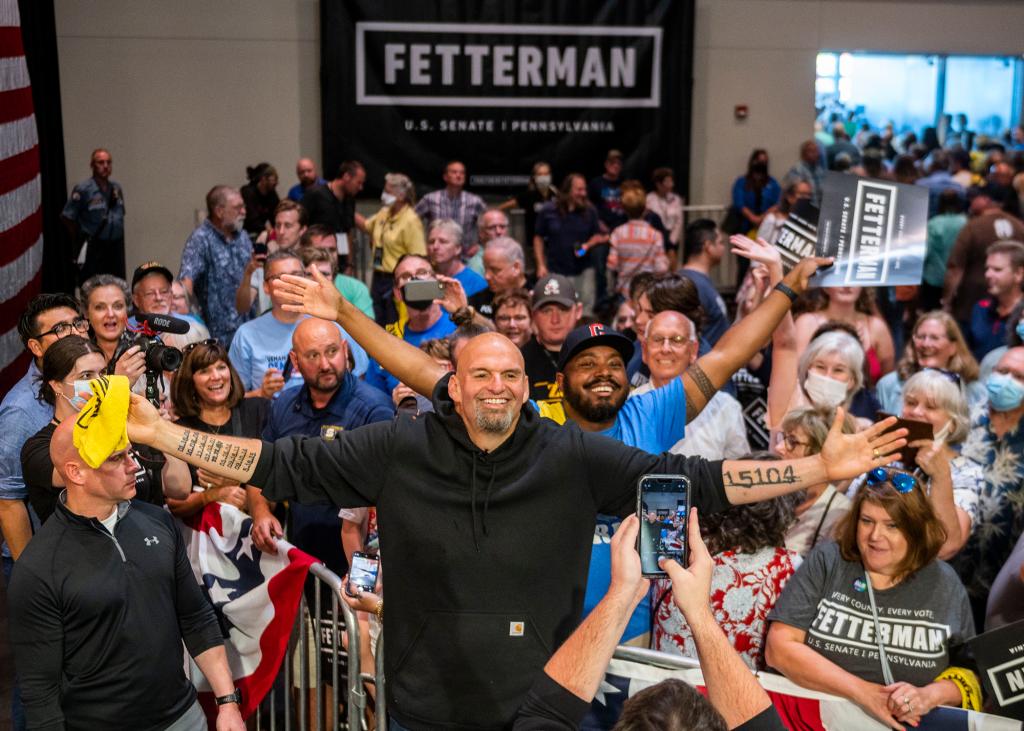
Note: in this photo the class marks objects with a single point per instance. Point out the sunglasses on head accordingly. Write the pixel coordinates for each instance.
(192, 346)
(903, 482)
(951, 376)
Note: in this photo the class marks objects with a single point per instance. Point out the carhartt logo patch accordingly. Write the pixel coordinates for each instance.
(152, 541)
(515, 629)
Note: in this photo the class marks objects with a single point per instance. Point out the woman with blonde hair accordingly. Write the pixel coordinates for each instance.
(936, 343)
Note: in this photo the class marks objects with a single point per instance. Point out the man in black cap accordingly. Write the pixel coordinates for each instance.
(151, 293)
(555, 308)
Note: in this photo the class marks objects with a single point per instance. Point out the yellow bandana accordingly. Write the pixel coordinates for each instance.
(102, 425)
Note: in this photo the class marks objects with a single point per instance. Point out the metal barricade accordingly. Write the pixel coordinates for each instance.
(280, 710)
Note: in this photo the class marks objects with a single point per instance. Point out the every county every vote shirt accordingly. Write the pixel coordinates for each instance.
(920, 618)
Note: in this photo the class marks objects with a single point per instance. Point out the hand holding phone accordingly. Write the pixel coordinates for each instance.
(662, 505)
(362, 575)
(422, 292)
(916, 431)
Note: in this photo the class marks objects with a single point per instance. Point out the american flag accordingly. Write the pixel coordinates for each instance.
(256, 597)
(21, 239)
(799, 708)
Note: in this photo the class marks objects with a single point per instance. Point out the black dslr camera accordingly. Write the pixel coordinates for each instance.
(159, 356)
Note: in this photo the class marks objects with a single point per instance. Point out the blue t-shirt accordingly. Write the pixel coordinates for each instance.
(471, 281)
(987, 329)
(382, 379)
(265, 343)
(296, 192)
(715, 322)
(654, 422)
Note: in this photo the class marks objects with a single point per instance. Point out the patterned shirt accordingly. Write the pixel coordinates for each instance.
(464, 209)
(744, 588)
(999, 520)
(216, 264)
(636, 246)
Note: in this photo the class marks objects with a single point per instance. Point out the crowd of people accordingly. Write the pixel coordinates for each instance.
(477, 414)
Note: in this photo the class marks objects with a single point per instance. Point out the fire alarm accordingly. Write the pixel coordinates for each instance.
(740, 111)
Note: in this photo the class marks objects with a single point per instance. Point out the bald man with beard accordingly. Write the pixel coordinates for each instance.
(485, 511)
(100, 603)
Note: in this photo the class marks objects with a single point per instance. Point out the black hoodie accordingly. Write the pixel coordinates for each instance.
(487, 552)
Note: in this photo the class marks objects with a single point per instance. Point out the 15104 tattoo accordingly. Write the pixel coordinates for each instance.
(760, 476)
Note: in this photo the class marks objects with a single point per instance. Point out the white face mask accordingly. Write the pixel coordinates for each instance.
(387, 198)
(543, 181)
(824, 391)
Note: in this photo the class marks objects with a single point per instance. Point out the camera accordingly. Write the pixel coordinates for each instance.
(159, 357)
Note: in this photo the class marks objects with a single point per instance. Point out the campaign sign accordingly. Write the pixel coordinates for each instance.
(1000, 657)
(799, 234)
(875, 229)
(501, 85)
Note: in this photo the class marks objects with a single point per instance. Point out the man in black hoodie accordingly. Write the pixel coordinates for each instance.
(486, 513)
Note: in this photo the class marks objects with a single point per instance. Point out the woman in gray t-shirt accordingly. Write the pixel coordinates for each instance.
(825, 634)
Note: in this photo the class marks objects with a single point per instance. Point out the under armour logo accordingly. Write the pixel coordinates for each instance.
(552, 287)
(596, 329)
(151, 541)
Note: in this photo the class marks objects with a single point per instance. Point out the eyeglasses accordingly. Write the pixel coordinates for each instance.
(903, 482)
(508, 319)
(792, 442)
(79, 324)
(209, 342)
(951, 376)
(675, 342)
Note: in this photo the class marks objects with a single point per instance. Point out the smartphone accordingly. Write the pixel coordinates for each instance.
(663, 505)
(420, 291)
(362, 574)
(916, 430)
(259, 250)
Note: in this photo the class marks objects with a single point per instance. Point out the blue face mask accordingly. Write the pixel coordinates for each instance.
(1005, 393)
(76, 401)
(1020, 329)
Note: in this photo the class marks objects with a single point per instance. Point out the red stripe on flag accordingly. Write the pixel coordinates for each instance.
(15, 104)
(11, 310)
(21, 168)
(10, 41)
(14, 241)
(798, 714)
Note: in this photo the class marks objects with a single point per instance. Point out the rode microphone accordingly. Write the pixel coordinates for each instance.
(162, 323)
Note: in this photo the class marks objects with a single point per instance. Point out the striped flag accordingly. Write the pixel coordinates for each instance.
(21, 239)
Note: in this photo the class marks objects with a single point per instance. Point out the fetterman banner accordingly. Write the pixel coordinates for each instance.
(406, 87)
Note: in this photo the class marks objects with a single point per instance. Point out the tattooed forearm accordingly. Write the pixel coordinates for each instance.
(250, 457)
(703, 382)
(208, 450)
(691, 409)
(760, 477)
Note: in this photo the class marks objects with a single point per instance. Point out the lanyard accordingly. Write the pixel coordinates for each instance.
(886, 672)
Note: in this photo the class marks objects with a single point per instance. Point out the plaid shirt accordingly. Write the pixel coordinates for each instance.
(464, 209)
(216, 265)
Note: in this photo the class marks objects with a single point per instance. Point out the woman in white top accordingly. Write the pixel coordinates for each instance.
(803, 432)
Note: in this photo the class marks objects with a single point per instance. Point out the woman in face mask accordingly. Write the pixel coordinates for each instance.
(68, 366)
(954, 482)
(538, 192)
(936, 343)
(830, 373)
(394, 230)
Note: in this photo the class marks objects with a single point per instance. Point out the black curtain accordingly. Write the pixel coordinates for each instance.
(39, 36)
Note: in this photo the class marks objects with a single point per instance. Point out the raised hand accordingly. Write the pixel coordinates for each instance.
(143, 420)
(454, 295)
(759, 251)
(316, 296)
(848, 455)
(799, 276)
(691, 586)
(627, 574)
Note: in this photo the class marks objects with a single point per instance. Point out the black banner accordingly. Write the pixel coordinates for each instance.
(406, 87)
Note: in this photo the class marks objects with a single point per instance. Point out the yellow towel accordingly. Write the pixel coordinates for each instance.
(102, 425)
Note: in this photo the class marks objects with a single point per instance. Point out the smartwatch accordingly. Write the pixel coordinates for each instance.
(235, 697)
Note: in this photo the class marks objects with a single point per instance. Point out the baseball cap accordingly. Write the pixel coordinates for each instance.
(589, 336)
(150, 267)
(554, 288)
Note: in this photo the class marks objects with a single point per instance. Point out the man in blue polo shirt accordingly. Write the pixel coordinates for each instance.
(444, 247)
(330, 399)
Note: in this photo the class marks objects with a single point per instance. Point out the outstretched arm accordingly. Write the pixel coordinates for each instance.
(739, 343)
(320, 298)
(842, 457)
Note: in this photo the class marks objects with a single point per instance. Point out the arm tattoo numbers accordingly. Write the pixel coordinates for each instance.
(760, 476)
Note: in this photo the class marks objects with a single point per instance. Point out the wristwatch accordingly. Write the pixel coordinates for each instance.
(235, 697)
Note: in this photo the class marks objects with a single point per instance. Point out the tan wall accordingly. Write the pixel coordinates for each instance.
(185, 93)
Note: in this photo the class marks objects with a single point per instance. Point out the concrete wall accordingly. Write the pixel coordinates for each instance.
(185, 93)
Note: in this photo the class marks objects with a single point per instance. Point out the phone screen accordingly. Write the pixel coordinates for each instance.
(663, 504)
(363, 572)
